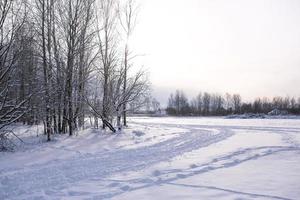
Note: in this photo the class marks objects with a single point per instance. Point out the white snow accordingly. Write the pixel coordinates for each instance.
(159, 158)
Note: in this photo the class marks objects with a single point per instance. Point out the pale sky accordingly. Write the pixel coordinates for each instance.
(250, 47)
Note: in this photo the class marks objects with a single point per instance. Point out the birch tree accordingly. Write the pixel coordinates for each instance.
(127, 16)
(108, 48)
(12, 17)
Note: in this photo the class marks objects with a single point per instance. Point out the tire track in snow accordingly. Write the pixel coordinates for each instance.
(56, 176)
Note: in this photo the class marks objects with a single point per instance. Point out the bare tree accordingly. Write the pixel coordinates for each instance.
(137, 87)
(12, 17)
(57, 48)
(228, 104)
(107, 40)
(44, 14)
(206, 103)
(237, 101)
(75, 18)
(127, 15)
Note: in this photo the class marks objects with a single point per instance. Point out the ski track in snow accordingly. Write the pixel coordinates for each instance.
(57, 176)
(39, 181)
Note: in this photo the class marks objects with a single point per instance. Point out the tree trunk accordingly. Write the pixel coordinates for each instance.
(45, 70)
(118, 119)
(125, 85)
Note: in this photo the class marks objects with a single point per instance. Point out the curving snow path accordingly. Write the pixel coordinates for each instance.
(157, 154)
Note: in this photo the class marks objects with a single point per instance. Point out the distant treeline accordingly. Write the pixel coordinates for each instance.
(207, 104)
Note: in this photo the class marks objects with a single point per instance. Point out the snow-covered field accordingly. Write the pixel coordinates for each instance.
(159, 158)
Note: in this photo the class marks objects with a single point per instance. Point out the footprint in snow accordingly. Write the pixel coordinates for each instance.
(113, 184)
(75, 193)
(156, 173)
(88, 154)
(147, 180)
(192, 166)
(181, 176)
(4, 181)
(159, 181)
(125, 188)
(138, 133)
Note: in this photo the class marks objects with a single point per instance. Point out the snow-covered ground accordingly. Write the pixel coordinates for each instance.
(159, 158)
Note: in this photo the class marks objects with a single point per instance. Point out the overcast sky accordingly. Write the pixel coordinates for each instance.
(251, 47)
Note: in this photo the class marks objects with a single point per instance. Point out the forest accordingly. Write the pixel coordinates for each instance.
(206, 104)
(64, 60)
